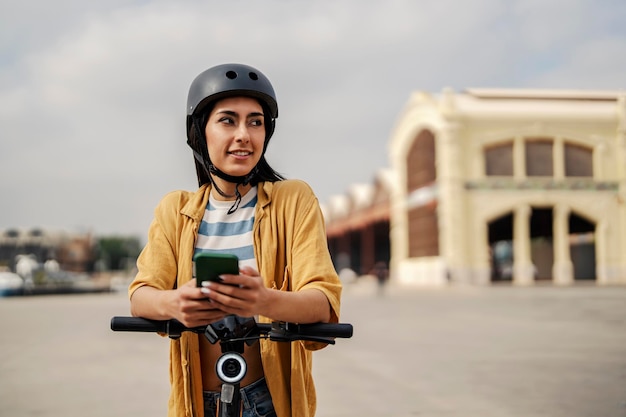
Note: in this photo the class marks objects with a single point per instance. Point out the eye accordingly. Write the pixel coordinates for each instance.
(256, 122)
(226, 120)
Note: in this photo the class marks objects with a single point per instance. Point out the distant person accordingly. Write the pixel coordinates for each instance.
(381, 272)
(276, 228)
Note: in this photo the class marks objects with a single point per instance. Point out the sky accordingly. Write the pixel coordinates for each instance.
(93, 93)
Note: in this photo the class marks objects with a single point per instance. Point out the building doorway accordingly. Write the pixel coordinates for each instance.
(541, 242)
(501, 248)
(582, 247)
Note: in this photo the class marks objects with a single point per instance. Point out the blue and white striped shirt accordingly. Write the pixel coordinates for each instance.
(221, 232)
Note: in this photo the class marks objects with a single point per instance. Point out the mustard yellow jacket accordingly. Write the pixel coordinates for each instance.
(291, 250)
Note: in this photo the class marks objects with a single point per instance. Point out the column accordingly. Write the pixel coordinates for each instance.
(558, 159)
(523, 270)
(603, 275)
(481, 273)
(519, 159)
(563, 268)
(451, 212)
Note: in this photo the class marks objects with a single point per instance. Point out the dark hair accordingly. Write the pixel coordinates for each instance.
(197, 140)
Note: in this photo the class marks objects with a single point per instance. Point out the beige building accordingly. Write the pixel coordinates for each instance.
(358, 225)
(497, 185)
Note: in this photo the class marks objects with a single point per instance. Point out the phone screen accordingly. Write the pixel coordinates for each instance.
(209, 266)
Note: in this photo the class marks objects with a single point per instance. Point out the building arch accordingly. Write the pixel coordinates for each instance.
(586, 213)
(414, 120)
(579, 126)
(421, 174)
(536, 130)
(561, 239)
(409, 128)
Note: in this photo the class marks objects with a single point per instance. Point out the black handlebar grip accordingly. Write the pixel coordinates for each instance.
(342, 330)
(138, 324)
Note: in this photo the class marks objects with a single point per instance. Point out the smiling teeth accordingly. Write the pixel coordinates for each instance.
(241, 153)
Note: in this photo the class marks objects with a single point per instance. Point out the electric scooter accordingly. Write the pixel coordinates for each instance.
(232, 332)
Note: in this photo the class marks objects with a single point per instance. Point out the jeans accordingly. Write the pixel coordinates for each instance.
(255, 401)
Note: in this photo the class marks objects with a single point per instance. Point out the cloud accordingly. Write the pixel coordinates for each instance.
(92, 94)
(595, 64)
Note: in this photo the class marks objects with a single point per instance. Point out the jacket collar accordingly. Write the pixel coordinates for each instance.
(195, 206)
(265, 193)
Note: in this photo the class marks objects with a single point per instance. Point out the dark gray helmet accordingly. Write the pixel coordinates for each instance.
(216, 83)
(228, 80)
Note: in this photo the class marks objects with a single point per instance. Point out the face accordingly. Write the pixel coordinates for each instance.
(235, 135)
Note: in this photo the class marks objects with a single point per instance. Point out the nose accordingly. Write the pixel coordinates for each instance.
(242, 134)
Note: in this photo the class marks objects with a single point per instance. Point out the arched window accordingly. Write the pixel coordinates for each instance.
(422, 217)
(421, 161)
(578, 161)
(499, 160)
(539, 161)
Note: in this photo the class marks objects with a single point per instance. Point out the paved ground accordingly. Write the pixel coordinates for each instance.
(488, 352)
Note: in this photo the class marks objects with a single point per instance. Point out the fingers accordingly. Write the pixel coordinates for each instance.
(248, 270)
(236, 294)
(243, 280)
(201, 312)
(195, 308)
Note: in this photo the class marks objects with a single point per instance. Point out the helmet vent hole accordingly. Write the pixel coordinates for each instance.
(231, 75)
(253, 76)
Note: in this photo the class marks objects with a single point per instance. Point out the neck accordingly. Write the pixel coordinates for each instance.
(228, 188)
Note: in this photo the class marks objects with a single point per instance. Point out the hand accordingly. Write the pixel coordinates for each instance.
(244, 294)
(192, 308)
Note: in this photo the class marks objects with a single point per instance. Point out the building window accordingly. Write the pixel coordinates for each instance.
(539, 158)
(499, 160)
(421, 161)
(421, 176)
(423, 232)
(578, 161)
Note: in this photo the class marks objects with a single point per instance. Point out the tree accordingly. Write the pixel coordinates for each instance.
(118, 252)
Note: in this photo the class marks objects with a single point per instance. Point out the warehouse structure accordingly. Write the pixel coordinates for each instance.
(493, 185)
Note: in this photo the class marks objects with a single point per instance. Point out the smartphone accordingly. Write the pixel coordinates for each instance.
(209, 266)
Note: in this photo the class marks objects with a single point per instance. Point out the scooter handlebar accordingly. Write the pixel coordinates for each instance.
(277, 330)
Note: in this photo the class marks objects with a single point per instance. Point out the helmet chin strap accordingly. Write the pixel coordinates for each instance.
(202, 156)
(237, 180)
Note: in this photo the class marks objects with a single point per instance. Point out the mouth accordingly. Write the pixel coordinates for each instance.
(240, 153)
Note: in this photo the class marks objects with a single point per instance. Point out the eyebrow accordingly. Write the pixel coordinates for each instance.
(235, 114)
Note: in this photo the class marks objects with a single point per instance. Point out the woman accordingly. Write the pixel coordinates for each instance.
(276, 228)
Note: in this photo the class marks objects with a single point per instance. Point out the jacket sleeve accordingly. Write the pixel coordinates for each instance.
(157, 262)
(310, 264)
